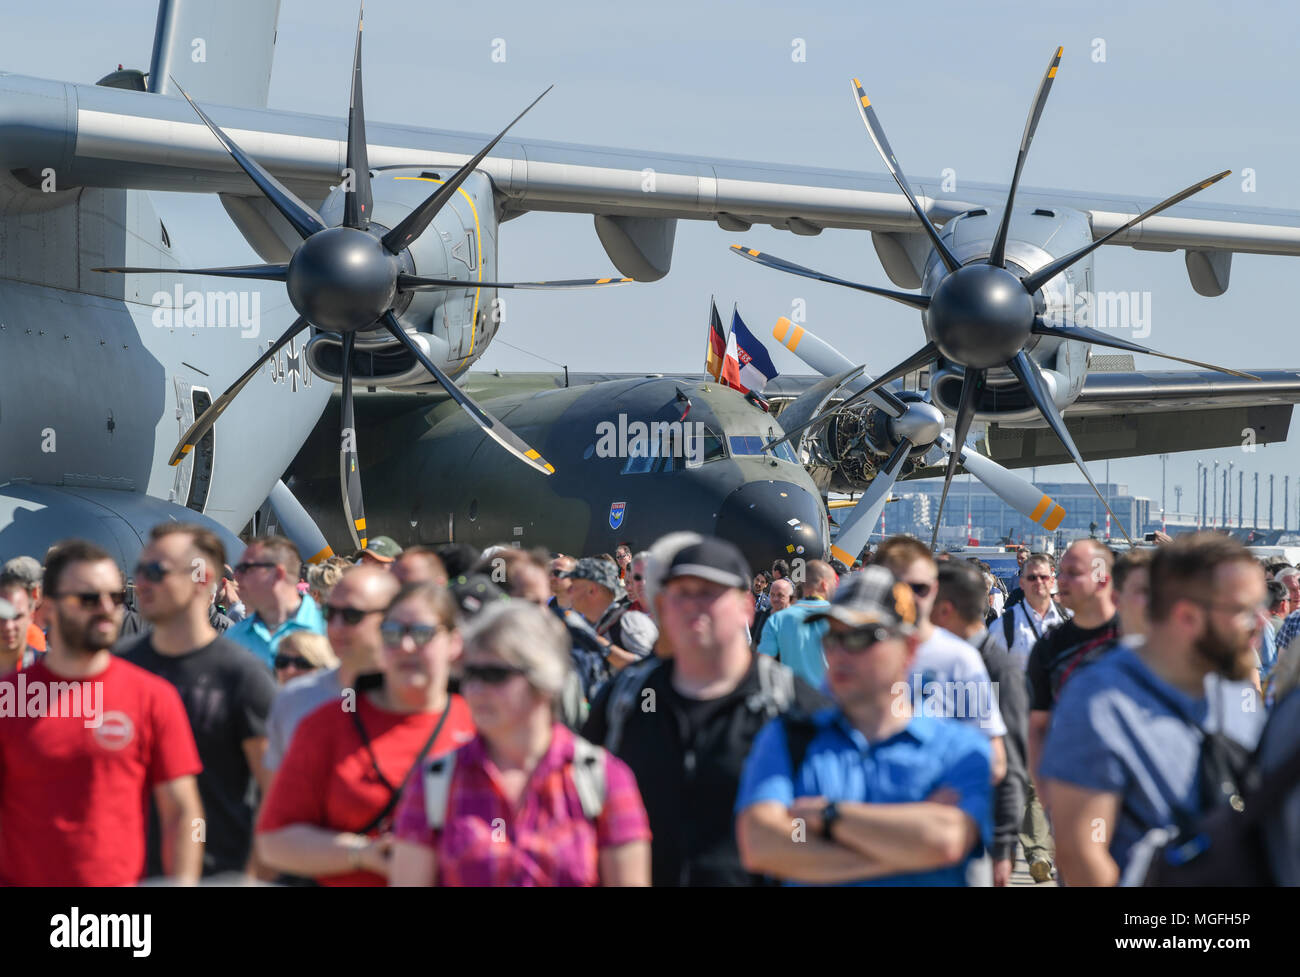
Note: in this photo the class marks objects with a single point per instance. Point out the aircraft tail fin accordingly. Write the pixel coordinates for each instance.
(219, 52)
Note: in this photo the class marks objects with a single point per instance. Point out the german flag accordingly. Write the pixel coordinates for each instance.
(717, 348)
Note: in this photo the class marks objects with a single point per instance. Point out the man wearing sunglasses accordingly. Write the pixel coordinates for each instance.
(1034, 615)
(355, 609)
(72, 780)
(865, 792)
(267, 575)
(561, 585)
(946, 671)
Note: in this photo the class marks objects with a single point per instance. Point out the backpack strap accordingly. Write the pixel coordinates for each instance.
(1009, 625)
(589, 777)
(623, 694)
(800, 730)
(775, 687)
(437, 788)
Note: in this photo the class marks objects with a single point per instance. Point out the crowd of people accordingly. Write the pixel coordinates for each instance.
(445, 716)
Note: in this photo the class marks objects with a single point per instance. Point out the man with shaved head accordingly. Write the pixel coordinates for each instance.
(353, 612)
(788, 639)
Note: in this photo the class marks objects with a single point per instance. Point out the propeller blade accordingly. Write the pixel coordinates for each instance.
(357, 202)
(1027, 372)
(877, 133)
(1042, 276)
(997, 256)
(780, 264)
(417, 283)
(298, 525)
(927, 354)
(971, 385)
(828, 361)
(494, 429)
(270, 273)
(1019, 493)
(349, 458)
(303, 219)
(1098, 338)
(204, 422)
(415, 223)
(856, 529)
(805, 408)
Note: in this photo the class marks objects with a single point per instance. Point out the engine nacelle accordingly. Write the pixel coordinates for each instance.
(454, 326)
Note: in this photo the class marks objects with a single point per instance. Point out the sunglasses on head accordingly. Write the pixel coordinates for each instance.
(92, 599)
(293, 661)
(856, 640)
(350, 615)
(421, 634)
(154, 571)
(490, 674)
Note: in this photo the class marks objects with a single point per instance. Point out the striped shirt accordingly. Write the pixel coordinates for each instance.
(542, 840)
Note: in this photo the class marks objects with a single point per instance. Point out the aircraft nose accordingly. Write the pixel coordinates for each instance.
(770, 521)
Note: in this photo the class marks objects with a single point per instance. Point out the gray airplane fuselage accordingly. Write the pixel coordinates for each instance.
(432, 476)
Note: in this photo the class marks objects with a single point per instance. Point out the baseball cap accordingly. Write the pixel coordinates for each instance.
(598, 571)
(473, 592)
(711, 559)
(382, 548)
(25, 568)
(871, 596)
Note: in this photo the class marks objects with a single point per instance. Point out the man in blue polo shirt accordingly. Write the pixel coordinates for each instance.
(864, 792)
(787, 638)
(267, 575)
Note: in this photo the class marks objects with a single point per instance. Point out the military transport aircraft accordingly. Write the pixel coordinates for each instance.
(105, 378)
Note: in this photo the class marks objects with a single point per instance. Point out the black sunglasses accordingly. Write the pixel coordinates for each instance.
(921, 589)
(489, 674)
(856, 641)
(350, 615)
(293, 661)
(154, 571)
(92, 599)
(421, 634)
(245, 567)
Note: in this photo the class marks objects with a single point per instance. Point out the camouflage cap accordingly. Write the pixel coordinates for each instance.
(598, 571)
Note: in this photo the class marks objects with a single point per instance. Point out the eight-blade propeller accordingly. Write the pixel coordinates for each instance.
(347, 278)
(981, 315)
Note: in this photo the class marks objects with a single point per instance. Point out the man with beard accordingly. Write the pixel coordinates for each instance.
(1125, 743)
(95, 738)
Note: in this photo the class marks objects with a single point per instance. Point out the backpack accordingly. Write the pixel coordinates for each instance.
(588, 779)
(775, 694)
(1009, 621)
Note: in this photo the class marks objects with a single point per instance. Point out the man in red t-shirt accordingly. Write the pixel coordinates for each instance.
(84, 738)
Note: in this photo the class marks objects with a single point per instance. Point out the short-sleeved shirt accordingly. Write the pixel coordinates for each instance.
(327, 778)
(1027, 627)
(254, 635)
(75, 791)
(908, 767)
(949, 681)
(296, 700)
(1115, 730)
(227, 694)
(788, 637)
(543, 839)
(1059, 655)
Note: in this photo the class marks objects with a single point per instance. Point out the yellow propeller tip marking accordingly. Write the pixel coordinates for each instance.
(755, 253)
(781, 328)
(324, 554)
(1054, 519)
(795, 337)
(1052, 72)
(186, 449)
(840, 555)
(360, 524)
(1040, 510)
(1060, 50)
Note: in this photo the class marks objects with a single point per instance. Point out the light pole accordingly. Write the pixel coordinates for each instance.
(1240, 477)
(1196, 488)
(1255, 519)
(1270, 500)
(1214, 495)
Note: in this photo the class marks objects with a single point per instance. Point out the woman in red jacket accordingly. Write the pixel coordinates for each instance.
(329, 813)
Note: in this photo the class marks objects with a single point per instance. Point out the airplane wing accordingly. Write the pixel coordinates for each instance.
(98, 136)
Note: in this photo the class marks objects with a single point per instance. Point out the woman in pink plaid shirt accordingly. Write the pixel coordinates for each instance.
(514, 812)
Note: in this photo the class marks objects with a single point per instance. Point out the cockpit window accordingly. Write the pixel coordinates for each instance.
(753, 444)
(669, 455)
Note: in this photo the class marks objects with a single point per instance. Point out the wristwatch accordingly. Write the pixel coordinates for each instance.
(830, 814)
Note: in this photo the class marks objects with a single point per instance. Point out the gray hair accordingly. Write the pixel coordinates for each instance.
(526, 636)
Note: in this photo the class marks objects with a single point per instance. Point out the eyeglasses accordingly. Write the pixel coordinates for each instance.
(558, 573)
(1035, 578)
(921, 589)
(856, 641)
(421, 634)
(92, 599)
(490, 674)
(245, 567)
(638, 577)
(350, 615)
(293, 661)
(154, 572)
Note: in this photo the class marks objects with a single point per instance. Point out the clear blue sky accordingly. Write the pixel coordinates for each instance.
(1186, 90)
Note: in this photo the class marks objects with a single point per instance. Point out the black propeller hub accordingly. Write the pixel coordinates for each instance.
(342, 279)
(980, 316)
